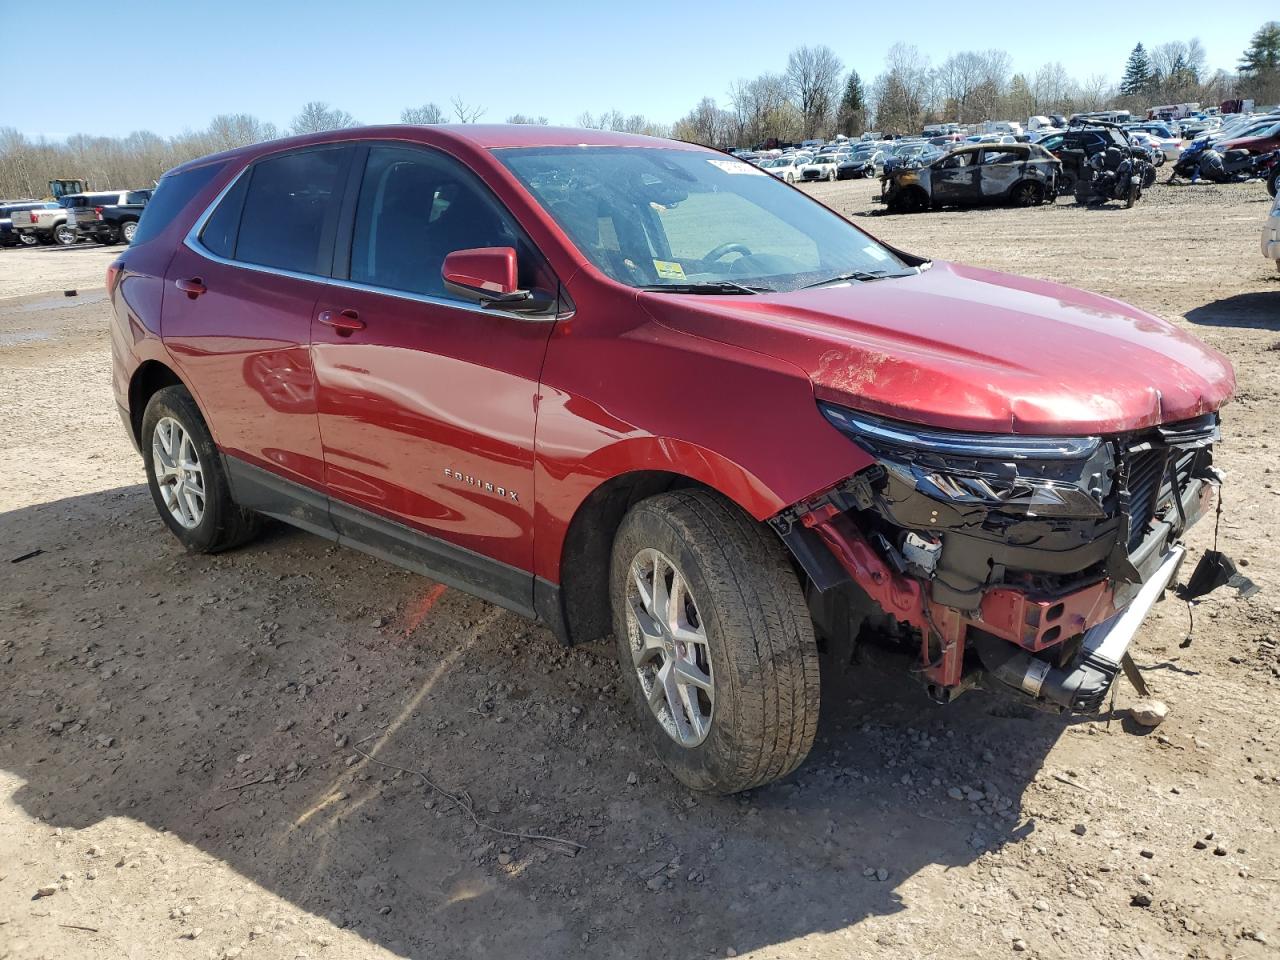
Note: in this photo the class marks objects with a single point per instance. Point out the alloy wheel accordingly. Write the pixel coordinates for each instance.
(178, 471)
(64, 235)
(128, 230)
(669, 648)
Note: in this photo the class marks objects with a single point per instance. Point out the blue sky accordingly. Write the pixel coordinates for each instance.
(186, 60)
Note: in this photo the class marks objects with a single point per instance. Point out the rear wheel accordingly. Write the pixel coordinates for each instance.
(1273, 184)
(1028, 193)
(715, 642)
(64, 236)
(127, 230)
(184, 473)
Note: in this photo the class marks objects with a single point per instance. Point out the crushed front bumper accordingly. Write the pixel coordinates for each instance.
(1045, 606)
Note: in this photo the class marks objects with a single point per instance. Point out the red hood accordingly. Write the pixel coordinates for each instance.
(973, 349)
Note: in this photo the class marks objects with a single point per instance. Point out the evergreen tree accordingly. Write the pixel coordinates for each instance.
(1138, 74)
(853, 106)
(1263, 55)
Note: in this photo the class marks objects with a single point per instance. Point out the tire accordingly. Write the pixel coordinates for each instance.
(1148, 177)
(1028, 193)
(127, 230)
(757, 654)
(64, 236)
(1273, 185)
(219, 523)
(28, 239)
(109, 239)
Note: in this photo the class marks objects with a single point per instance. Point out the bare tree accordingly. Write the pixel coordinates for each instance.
(532, 121)
(317, 116)
(465, 112)
(425, 114)
(761, 109)
(706, 124)
(901, 92)
(813, 76)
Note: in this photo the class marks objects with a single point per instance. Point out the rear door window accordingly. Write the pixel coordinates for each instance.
(290, 210)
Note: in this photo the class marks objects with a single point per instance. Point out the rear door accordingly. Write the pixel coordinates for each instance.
(237, 318)
(427, 409)
(1001, 168)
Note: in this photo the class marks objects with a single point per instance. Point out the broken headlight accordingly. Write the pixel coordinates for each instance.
(1038, 476)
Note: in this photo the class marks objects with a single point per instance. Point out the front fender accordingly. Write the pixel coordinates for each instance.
(656, 399)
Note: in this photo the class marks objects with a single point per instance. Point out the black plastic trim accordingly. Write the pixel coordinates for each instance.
(502, 584)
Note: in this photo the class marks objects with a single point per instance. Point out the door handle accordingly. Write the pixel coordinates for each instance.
(343, 321)
(192, 288)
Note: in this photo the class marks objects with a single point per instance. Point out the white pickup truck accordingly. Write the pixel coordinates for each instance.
(46, 224)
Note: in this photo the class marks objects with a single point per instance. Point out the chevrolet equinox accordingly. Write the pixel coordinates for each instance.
(636, 387)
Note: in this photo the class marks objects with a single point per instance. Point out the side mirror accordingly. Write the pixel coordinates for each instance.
(483, 274)
(489, 276)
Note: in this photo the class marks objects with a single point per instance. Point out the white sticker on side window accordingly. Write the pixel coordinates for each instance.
(738, 167)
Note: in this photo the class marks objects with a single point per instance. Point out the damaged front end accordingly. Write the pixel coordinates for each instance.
(1028, 561)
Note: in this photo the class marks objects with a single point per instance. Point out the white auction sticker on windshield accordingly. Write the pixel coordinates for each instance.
(873, 251)
(737, 167)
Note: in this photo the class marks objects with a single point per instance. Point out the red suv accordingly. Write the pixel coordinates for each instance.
(632, 386)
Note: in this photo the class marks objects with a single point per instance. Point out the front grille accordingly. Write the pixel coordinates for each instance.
(1149, 486)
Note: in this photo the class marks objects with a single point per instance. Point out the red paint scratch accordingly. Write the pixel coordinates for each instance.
(420, 610)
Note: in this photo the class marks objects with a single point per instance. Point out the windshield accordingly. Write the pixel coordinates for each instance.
(658, 217)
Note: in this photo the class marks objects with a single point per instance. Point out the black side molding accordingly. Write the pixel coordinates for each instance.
(297, 504)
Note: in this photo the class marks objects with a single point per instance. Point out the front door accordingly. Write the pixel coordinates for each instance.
(427, 402)
(954, 179)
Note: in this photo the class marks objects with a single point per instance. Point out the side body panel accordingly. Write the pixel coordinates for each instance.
(427, 416)
(243, 348)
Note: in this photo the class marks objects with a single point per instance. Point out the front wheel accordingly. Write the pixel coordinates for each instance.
(185, 475)
(127, 230)
(715, 642)
(64, 236)
(1273, 184)
(28, 239)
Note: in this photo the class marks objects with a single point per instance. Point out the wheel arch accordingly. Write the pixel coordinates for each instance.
(576, 607)
(151, 377)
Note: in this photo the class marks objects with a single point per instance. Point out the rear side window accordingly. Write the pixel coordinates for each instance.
(137, 197)
(170, 198)
(219, 233)
(290, 202)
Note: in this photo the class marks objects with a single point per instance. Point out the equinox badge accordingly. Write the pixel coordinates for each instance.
(481, 484)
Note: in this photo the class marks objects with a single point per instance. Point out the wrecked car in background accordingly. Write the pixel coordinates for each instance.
(1101, 163)
(1023, 174)
(634, 387)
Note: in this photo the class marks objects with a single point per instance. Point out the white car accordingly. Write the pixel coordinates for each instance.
(819, 168)
(788, 168)
(1169, 142)
(1271, 233)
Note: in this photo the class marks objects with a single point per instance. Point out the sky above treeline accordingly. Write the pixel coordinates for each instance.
(189, 61)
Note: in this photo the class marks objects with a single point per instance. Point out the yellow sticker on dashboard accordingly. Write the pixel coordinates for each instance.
(668, 270)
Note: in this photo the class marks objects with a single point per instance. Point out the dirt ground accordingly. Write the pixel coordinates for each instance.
(184, 756)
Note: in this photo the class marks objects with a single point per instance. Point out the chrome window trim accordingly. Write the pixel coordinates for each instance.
(192, 242)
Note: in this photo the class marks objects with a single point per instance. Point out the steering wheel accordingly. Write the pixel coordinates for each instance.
(722, 251)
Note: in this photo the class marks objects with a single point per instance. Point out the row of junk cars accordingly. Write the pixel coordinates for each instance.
(75, 213)
(1096, 160)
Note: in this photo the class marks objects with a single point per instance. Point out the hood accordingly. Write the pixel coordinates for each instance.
(970, 349)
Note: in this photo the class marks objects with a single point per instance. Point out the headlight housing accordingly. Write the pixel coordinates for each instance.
(1031, 475)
